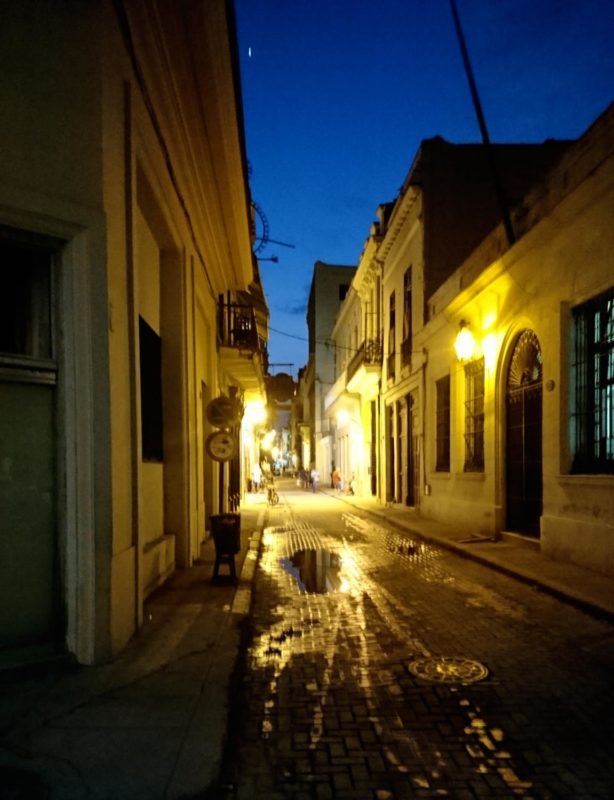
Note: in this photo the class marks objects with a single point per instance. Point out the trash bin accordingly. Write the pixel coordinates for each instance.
(226, 532)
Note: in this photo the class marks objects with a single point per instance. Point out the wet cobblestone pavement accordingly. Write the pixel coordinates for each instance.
(381, 667)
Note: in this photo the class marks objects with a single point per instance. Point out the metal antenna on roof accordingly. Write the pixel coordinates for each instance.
(505, 214)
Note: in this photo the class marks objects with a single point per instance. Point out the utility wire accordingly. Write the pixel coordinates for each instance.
(325, 342)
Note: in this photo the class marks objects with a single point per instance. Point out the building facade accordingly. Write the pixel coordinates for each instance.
(329, 287)
(513, 436)
(352, 404)
(519, 426)
(125, 238)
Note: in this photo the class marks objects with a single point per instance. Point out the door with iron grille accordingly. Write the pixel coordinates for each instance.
(523, 451)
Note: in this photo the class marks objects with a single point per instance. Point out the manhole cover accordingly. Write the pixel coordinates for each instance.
(441, 669)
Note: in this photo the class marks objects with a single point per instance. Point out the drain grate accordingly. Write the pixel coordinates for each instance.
(443, 669)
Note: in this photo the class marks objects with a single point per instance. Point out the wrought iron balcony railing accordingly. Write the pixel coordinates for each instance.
(237, 327)
(369, 354)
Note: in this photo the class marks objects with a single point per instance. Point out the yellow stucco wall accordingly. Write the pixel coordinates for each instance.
(561, 262)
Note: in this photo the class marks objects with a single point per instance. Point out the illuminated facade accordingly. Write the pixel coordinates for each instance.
(519, 430)
(351, 406)
(446, 206)
(133, 300)
(490, 405)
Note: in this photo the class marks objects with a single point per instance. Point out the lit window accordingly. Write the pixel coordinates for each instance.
(474, 416)
(592, 421)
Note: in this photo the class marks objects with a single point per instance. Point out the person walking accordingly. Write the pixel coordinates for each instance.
(315, 480)
(256, 477)
(336, 479)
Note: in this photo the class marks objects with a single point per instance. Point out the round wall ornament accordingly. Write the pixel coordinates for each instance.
(224, 412)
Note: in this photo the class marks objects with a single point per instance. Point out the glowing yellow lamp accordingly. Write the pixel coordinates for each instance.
(343, 417)
(464, 344)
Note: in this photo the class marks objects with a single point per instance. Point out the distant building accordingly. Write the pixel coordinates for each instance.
(281, 391)
(300, 428)
(329, 287)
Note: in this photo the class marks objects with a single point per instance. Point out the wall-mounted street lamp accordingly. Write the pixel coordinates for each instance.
(274, 259)
(342, 417)
(464, 344)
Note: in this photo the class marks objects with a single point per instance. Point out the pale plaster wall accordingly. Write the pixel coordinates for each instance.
(51, 183)
(47, 83)
(563, 261)
(122, 329)
(147, 269)
(70, 142)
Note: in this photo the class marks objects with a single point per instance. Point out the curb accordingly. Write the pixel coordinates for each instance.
(536, 582)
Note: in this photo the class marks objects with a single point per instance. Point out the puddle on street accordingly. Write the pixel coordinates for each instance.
(315, 571)
(330, 643)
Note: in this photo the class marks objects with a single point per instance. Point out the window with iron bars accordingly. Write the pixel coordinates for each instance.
(391, 336)
(406, 345)
(592, 419)
(442, 387)
(474, 416)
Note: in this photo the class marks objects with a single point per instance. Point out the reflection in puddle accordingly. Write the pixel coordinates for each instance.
(335, 641)
(315, 571)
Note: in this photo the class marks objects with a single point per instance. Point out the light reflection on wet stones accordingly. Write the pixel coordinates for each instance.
(324, 673)
(315, 571)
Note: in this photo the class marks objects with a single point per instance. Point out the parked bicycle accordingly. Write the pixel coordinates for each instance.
(271, 493)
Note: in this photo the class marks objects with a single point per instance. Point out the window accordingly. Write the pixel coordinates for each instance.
(151, 392)
(474, 416)
(442, 387)
(592, 422)
(25, 300)
(344, 288)
(391, 335)
(407, 318)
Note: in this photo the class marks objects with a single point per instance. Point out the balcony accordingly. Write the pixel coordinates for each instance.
(365, 368)
(241, 352)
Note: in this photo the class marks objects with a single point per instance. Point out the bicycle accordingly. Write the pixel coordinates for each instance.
(271, 495)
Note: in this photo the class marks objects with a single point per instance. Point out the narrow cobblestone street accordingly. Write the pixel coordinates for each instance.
(381, 667)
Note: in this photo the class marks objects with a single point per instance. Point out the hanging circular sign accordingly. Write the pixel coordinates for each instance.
(221, 445)
(223, 412)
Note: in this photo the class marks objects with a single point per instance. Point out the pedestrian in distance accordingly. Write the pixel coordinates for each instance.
(336, 479)
(315, 480)
(256, 477)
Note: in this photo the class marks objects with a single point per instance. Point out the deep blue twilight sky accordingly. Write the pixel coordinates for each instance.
(338, 95)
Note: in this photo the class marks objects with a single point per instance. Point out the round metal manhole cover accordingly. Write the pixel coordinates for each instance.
(442, 669)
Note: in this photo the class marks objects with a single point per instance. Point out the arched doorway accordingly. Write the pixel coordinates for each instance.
(523, 451)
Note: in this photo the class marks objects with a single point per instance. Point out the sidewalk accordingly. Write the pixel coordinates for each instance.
(152, 724)
(512, 555)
